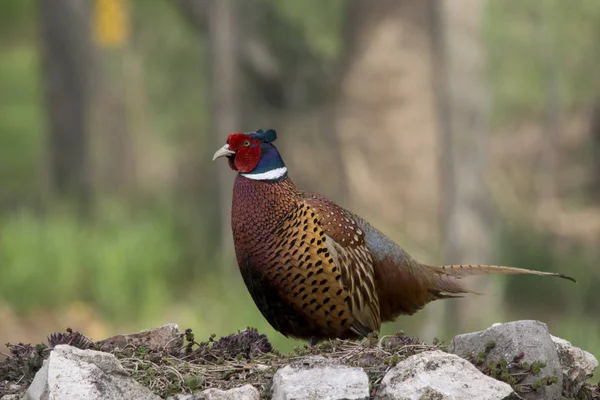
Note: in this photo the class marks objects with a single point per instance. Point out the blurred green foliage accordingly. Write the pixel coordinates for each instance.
(528, 37)
(120, 263)
(321, 30)
(17, 20)
(174, 108)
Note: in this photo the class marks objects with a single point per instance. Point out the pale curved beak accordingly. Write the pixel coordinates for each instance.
(223, 152)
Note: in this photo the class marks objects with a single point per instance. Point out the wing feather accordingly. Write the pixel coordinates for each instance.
(302, 268)
(346, 243)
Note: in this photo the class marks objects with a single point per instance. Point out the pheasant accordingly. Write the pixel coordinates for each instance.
(315, 270)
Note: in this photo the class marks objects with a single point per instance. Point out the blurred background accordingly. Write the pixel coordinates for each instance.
(467, 130)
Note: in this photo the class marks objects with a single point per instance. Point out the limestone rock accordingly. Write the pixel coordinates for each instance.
(71, 373)
(246, 392)
(435, 375)
(10, 397)
(528, 337)
(167, 337)
(11, 388)
(577, 366)
(317, 378)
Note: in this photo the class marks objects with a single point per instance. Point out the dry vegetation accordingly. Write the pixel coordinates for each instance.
(244, 358)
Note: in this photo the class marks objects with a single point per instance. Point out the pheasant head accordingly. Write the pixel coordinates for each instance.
(253, 155)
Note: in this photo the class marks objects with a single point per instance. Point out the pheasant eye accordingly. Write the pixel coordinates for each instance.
(246, 143)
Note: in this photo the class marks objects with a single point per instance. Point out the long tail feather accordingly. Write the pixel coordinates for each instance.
(460, 271)
(449, 287)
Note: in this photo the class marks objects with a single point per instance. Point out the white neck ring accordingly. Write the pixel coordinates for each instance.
(267, 176)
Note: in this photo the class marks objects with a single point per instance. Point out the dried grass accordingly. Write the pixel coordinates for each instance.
(246, 357)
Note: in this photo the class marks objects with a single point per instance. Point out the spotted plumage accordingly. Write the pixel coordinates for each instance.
(314, 269)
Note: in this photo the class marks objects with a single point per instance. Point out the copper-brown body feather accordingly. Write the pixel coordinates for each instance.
(316, 270)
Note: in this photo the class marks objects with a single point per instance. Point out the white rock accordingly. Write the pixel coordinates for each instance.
(317, 378)
(531, 338)
(71, 373)
(577, 365)
(440, 376)
(246, 392)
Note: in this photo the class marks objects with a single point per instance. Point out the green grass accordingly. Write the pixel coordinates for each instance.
(119, 264)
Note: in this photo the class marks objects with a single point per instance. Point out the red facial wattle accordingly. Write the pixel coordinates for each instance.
(247, 158)
(247, 152)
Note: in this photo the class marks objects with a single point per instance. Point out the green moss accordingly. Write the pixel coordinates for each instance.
(193, 382)
(514, 372)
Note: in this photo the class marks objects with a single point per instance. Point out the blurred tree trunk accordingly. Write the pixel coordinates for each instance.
(464, 113)
(116, 77)
(255, 55)
(385, 118)
(65, 46)
(332, 136)
(553, 120)
(224, 38)
(114, 158)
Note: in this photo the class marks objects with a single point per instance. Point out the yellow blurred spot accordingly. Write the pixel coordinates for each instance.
(84, 318)
(111, 25)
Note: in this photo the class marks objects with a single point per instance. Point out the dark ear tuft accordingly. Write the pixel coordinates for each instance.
(269, 136)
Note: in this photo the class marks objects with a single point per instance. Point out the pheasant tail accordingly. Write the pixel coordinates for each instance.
(446, 283)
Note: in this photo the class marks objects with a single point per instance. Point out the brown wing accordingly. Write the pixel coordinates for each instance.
(300, 264)
(346, 243)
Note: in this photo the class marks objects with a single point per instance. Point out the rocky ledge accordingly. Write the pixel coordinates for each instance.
(515, 360)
